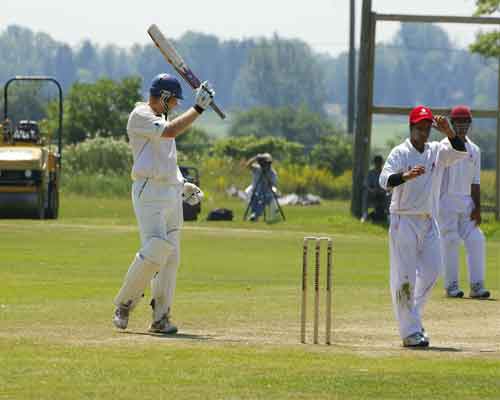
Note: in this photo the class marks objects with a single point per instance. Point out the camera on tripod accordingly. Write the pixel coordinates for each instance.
(263, 189)
(264, 160)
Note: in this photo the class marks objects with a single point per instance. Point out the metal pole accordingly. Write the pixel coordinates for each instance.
(351, 77)
(363, 117)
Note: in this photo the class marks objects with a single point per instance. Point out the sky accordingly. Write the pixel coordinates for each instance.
(323, 24)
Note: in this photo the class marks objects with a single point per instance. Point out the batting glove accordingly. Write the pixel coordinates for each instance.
(191, 194)
(204, 96)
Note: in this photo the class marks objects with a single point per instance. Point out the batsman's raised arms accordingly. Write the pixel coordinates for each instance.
(168, 50)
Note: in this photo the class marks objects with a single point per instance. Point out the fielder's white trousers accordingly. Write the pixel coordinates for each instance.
(158, 209)
(456, 226)
(415, 264)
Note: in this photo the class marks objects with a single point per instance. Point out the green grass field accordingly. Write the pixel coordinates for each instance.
(237, 308)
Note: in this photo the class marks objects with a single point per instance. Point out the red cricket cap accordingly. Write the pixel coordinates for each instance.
(461, 112)
(421, 113)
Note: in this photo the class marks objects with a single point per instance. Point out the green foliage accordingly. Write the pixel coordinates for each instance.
(99, 109)
(487, 7)
(323, 145)
(99, 185)
(193, 144)
(333, 153)
(487, 43)
(244, 147)
(99, 155)
(304, 179)
(294, 124)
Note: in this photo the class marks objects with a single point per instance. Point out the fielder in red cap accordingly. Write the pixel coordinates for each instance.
(460, 213)
(413, 172)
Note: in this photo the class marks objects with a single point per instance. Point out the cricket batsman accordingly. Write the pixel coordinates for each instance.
(413, 172)
(460, 213)
(157, 192)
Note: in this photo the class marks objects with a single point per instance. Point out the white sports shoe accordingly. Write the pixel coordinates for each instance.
(120, 316)
(163, 326)
(454, 291)
(415, 340)
(477, 291)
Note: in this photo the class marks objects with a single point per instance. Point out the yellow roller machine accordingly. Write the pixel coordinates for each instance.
(30, 166)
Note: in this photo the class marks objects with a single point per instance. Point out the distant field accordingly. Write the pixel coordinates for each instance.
(237, 307)
(385, 129)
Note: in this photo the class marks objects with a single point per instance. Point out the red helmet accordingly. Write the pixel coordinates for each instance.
(461, 112)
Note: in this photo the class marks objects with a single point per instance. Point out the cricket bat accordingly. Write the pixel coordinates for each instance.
(168, 50)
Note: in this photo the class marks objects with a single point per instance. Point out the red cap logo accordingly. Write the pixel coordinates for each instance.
(420, 113)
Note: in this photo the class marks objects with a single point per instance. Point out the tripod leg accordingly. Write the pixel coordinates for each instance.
(279, 207)
(252, 198)
(270, 186)
(249, 205)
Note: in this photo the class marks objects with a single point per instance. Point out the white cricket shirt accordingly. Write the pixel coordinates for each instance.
(155, 157)
(419, 196)
(458, 178)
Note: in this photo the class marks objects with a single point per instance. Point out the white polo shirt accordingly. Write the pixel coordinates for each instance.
(419, 196)
(458, 178)
(155, 157)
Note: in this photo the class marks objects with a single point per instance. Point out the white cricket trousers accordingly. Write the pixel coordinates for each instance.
(456, 226)
(415, 266)
(158, 209)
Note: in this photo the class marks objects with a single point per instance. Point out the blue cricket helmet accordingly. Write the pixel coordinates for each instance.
(163, 83)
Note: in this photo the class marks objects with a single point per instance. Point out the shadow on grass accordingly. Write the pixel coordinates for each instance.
(474, 299)
(435, 348)
(172, 336)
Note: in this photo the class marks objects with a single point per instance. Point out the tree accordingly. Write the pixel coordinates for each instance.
(294, 124)
(193, 143)
(281, 72)
(99, 109)
(487, 44)
(333, 153)
(88, 62)
(65, 70)
(244, 147)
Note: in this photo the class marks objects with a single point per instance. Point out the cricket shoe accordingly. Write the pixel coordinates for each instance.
(163, 326)
(477, 291)
(120, 316)
(454, 291)
(425, 335)
(415, 340)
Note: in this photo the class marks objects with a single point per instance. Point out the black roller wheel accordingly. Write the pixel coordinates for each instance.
(53, 203)
(40, 212)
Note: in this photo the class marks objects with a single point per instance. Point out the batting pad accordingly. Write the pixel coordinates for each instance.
(156, 250)
(146, 263)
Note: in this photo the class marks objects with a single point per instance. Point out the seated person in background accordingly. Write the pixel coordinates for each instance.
(264, 180)
(373, 194)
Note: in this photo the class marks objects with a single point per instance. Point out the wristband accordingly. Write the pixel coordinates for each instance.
(395, 180)
(198, 108)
